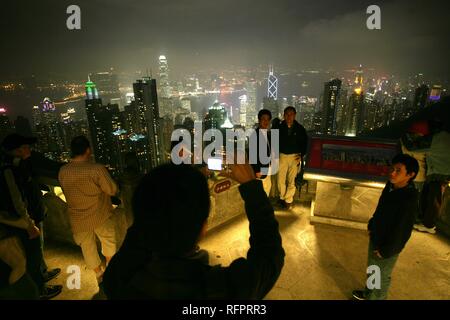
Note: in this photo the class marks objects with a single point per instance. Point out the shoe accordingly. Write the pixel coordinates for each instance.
(359, 295)
(49, 275)
(421, 227)
(50, 292)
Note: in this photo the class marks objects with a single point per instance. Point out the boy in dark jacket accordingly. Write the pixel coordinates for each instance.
(158, 260)
(390, 227)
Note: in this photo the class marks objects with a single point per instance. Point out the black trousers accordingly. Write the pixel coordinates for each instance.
(431, 202)
(34, 257)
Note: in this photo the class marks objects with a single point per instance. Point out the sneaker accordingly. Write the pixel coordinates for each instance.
(359, 295)
(49, 275)
(421, 227)
(50, 292)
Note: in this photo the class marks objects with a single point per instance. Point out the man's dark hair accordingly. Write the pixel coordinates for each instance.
(79, 145)
(170, 205)
(289, 108)
(263, 112)
(410, 163)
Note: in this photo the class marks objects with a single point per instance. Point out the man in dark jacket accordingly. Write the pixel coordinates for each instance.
(157, 259)
(391, 225)
(18, 149)
(293, 143)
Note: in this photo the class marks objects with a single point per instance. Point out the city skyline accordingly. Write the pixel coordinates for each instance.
(201, 34)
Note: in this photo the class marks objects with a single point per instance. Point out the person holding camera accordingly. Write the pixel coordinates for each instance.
(156, 261)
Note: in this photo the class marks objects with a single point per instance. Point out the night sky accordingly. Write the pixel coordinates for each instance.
(193, 34)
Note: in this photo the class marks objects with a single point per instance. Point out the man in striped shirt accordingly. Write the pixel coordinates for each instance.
(88, 188)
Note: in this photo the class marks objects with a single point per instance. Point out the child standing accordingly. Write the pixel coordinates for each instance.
(391, 225)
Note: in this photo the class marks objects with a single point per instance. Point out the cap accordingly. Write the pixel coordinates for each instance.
(14, 141)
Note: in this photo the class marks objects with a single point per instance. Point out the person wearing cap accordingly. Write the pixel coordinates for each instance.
(31, 165)
(28, 196)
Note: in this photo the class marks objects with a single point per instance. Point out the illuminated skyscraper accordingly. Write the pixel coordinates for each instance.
(49, 135)
(330, 106)
(272, 85)
(252, 114)
(102, 123)
(359, 77)
(243, 106)
(272, 105)
(215, 117)
(341, 112)
(164, 83)
(354, 114)
(146, 99)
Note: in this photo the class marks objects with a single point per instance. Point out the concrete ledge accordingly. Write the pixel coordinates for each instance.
(339, 222)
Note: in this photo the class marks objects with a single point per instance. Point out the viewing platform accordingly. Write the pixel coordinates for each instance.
(323, 261)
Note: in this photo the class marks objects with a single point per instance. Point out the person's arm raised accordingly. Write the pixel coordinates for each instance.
(254, 277)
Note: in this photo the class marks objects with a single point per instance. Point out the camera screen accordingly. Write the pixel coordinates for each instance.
(215, 164)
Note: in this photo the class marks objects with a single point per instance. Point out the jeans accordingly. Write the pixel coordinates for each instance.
(386, 266)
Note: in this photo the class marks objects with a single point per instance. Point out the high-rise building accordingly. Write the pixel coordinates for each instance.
(35, 117)
(353, 116)
(330, 106)
(102, 123)
(341, 112)
(71, 127)
(243, 104)
(5, 124)
(421, 97)
(164, 84)
(186, 104)
(358, 83)
(251, 112)
(272, 105)
(215, 117)
(167, 127)
(48, 133)
(272, 85)
(131, 117)
(305, 112)
(146, 99)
